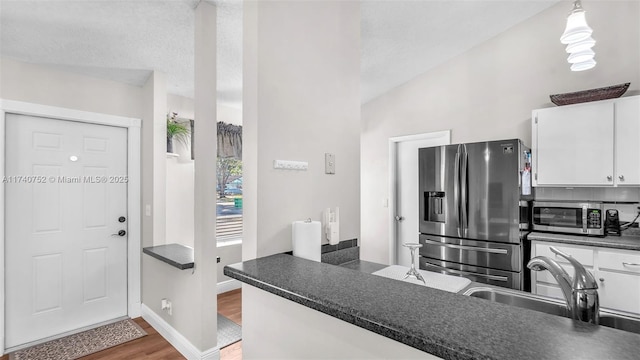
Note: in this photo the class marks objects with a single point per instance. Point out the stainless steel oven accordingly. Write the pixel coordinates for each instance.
(571, 217)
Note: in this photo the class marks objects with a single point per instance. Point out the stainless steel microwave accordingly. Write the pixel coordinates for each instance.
(570, 217)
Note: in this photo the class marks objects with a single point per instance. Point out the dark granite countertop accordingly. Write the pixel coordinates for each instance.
(626, 242)
(450, 326)
(176, 255)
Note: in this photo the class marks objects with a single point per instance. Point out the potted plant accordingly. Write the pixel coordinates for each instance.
(178, 130)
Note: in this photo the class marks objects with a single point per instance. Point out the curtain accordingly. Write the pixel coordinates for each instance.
(229, 141)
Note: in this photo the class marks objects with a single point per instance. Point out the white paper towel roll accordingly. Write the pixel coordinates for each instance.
(334, 230)
(306, 239)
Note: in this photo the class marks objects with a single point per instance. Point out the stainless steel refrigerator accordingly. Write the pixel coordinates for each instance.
(474, 210)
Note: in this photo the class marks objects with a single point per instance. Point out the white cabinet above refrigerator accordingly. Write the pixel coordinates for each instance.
(627, 141)
(589, 144)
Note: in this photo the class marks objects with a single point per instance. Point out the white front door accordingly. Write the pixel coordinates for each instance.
(66, 201)
(406, 180)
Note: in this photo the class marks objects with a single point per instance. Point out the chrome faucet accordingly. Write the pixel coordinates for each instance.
(581, 292)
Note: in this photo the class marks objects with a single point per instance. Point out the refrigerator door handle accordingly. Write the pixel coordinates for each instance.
(464, 185)
(462, 273)
(456, 189)
(466, 247)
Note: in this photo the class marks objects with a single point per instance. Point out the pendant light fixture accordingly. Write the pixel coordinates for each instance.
(577, 37)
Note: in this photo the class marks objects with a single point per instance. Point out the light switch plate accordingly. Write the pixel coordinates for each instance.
(329, 163)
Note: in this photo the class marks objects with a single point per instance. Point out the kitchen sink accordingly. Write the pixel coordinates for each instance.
(620, 322)
(550, 306)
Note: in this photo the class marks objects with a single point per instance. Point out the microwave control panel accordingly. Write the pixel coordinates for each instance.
(594, 218)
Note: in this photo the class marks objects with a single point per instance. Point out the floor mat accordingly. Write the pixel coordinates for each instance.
(84, 343)
(228, 332)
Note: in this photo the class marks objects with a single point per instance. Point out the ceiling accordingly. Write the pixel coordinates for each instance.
(125, 40)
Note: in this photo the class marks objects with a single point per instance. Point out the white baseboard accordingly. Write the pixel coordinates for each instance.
(177, 340)
(228, 285)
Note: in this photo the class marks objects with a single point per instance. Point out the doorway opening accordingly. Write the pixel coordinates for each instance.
(403, 190)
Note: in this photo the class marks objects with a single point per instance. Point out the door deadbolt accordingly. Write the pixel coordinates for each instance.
(399, 218)
(122, 219)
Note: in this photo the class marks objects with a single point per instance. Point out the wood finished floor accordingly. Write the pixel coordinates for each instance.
(230, 305)
(155, 347)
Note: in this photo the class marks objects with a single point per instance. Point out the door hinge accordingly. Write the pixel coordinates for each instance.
(536, 176)
(536, 119)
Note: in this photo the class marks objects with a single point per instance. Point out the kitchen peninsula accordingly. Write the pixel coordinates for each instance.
(317, 310)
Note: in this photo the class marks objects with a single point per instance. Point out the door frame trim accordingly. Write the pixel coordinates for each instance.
(445, 136)
(133, 127)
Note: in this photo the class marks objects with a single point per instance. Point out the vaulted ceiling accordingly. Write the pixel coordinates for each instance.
(125, 40)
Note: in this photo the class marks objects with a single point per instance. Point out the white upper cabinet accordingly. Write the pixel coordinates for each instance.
(589, 144)
(573, 145)
(627, 150)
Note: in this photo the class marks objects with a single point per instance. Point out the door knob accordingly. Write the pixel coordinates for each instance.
(120, 233)
(399, 218)
(621, 177)
(601, 279)
(609, 178)
(122, 219)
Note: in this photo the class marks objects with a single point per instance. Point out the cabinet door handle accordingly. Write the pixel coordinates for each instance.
(609, 178)
(629, 264)
(621, 177)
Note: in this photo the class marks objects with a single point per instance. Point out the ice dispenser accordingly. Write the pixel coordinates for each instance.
(435, 204)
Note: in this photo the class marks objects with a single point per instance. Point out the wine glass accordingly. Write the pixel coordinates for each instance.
(412, 271)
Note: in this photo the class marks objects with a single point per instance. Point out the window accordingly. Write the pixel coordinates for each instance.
(229, 184)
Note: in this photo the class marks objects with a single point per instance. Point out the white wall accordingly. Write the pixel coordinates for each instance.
(229, 115)
(46, 85)
(488, 93)
(297, 332)
(180, 200)
(154, 130)
(301, 100)
(204, 305)
(184, 107)
(229, 254)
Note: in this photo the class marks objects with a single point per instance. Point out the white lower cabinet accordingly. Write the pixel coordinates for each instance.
(616, 271)
(549, 290)
(619, 291)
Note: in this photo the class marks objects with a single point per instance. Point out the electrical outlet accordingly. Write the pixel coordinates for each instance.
(166, 305)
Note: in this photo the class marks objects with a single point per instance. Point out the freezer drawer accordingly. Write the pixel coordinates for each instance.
(502, 256)
(508, 279)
